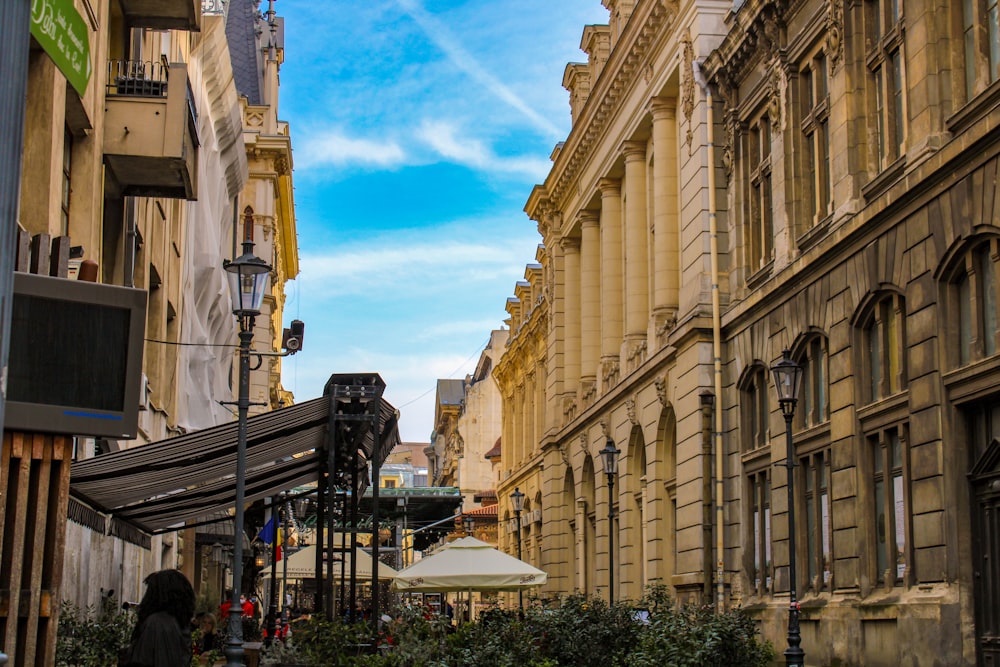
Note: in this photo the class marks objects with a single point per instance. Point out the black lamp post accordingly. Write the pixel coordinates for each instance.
(610, 454)
(247, 283)
(469, 523)
(517, 499)
(787, 380)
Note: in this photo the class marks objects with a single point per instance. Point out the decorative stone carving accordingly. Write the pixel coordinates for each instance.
(281, 166)
(610, 372)
(584, 444)
(630, 411)
(835, 34)
(687, 86)
(775, 94)
(605, 429)
(661, 391)
(729, 150)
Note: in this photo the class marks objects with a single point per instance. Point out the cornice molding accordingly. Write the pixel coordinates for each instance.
(621, 72)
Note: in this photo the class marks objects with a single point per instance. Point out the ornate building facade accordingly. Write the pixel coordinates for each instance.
(743, 179)
(166, 225)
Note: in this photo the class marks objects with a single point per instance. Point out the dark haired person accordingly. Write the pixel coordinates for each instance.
(162, 636)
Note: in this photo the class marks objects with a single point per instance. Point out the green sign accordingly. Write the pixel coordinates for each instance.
(62, 32)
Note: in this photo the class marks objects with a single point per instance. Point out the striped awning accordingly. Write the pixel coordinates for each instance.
(191, 478)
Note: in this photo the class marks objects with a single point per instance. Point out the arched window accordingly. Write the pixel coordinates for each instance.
(814, 403)
(754, 408)
(974, 295)
(884, 345)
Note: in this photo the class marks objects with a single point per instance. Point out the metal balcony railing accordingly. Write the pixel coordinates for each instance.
(136, 78)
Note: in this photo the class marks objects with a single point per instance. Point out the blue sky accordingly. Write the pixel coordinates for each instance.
(419, 128)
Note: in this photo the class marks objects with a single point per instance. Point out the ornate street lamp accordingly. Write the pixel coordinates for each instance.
(517, 500)
(248, 276)
(787, 381)
(469, 524)
(610, 454)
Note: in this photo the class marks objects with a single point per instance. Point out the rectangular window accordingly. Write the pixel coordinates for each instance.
(887, 79)
(815, 130)
(760, 549)
(980, 44)
(819, 537)
(760, 232)
(889, 504)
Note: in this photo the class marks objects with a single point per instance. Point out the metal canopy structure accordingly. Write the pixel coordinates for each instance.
(190, 478)
(362, 433)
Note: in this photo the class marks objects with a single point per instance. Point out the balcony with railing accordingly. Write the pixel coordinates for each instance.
(163, 14)
(151, 130)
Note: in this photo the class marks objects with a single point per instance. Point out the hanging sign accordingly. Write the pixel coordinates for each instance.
(62, 32)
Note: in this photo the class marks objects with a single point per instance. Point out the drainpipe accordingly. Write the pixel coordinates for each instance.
(713, 231)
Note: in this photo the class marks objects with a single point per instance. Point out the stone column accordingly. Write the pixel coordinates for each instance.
(590, 303)
(636, 253)
(571, 288)
(666, 257)
(612, 267)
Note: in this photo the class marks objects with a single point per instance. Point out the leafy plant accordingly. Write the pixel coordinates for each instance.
(573, 631)
(92, 636)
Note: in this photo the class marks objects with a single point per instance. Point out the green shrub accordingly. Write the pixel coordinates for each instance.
(697, 636)
(571, 632)
(92, 636)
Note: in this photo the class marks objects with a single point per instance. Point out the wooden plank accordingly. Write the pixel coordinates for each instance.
(42, 515)
(62, 455)
(17, 555)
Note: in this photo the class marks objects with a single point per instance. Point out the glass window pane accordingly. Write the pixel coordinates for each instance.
(811, 537)
(896, 449)
(964, 321)
(899, 521)
(825, 532)
(993, 33)
(986, 272)
(893, 344)
(899, 132)
(881, 549)
(875, 361)
(969, 40)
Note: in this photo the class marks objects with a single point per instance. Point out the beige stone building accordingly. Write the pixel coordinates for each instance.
(467, 423)
(155, 171)
(746, 178)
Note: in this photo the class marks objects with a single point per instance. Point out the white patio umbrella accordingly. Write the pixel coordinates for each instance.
(468, 564)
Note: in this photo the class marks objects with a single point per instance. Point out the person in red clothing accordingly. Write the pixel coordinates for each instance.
(227, 602)
(247, 605)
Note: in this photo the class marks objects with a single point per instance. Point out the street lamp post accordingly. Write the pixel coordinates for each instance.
(247, 283)
(787, 380)
(517, 499)
(610, 454)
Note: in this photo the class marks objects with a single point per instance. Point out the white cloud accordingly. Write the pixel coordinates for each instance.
(331, 148)
(442, 137)
(443, 38)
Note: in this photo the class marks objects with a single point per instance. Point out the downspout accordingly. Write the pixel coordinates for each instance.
(713, 231)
